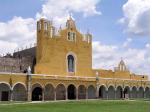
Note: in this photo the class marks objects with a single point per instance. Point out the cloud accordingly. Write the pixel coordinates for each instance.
(7, 47)
(127, 42)
(20, 32)
(60, 10)
(137, 17)
(17, 32)
(108, 56)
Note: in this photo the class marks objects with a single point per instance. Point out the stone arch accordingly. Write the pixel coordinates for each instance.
(81, 92)
(141, 92)
(71, 92)
(5, 90)
(37, 85)
(91, 92)
(19, 92)
(147, 92)
(19, 83)
(133, 92)
(60, 92)
(102, 92)
(126, 92)
(119, 92)
(37, 92)
(49, 92)
(111, 92)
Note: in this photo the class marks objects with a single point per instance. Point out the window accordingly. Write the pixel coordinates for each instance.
(71, 36)
(71, 63)
(89, 39)
(39, 26)
(45, 26)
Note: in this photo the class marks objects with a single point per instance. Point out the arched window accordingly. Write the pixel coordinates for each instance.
(71, 63)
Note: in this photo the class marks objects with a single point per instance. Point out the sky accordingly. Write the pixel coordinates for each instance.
(120, 28)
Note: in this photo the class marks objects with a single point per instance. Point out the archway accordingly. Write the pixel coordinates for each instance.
(91, 92)
(147, 92)
(71, 92)
(119, 92)
(49, 92)
(81, 92)
(102, 92)
(4, 92)
(126, 92)
(141, 92)
(111, 92)
(37, 92)
(60, 92)
(19, 92)
(134, 92)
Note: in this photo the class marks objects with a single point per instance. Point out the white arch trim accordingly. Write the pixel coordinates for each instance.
(104, 86)
(49, 84)
(91, 86)
(71, 84)
(6, 84)
(111, 86)
(37, 84)
(61, 84)
(141, 87)
(81, 85)
(19, 83)
(118, 87)
(130, 88)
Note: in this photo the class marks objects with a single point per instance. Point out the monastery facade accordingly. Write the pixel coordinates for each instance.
(61, 69)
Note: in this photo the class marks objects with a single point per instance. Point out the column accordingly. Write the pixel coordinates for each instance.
(66, 95)
(43, 91)
(144, 93)
(11, 95)
(77, 94)
(137, 93)
(29, 95)
(97, 91)
(29, 80)
(115, 93)
(107, 94)
(55, 94)
(86, 94)
(130, 93)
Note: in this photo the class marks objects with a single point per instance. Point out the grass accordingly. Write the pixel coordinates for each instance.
(79, 106)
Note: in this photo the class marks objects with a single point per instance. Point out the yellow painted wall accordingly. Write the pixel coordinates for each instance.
(52, 53)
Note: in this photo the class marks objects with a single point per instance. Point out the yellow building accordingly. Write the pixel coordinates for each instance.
(64, 71)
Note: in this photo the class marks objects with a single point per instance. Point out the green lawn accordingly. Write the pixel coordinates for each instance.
(79, 106)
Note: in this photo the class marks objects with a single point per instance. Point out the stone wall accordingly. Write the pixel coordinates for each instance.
(19, 61)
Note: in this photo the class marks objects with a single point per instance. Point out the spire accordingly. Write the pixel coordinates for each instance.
(60, 28)
(88, 31)
(122, 62)
(70, 24)
(122, 66)
(70, 16)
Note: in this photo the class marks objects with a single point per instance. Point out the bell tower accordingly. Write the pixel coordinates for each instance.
(70, 24)
(67, 52)
(45, 30)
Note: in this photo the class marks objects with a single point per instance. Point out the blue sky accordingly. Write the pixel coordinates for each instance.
(103, 27)
(121, 30)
